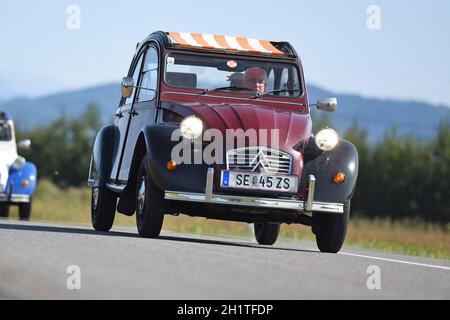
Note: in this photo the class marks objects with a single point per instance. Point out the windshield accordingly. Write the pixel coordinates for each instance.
(241, 75)
(5, 132)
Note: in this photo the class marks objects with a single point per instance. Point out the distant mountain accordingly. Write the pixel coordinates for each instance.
(415, 119)
(29, 113)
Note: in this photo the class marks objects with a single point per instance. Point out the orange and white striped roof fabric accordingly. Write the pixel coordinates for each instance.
(212, 41)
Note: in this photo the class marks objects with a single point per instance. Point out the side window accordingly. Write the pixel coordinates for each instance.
(284, 79)
(289, 81)
(5, 132)
(149, 78)
(271, 80)
(136, 71)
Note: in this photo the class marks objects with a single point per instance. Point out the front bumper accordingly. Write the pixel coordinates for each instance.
(14, 198)
(208, 197)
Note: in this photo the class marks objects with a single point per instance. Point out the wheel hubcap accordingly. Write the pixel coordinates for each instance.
(141, 195)
(95, 192)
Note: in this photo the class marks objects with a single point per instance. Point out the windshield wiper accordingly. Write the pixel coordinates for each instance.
(230, 88)
(260, 95)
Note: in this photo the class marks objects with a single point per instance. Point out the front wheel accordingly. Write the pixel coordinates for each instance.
(149, 204)
(4, 210)
(25, 211)
(103, 208)
(267, 233)
(330, 229)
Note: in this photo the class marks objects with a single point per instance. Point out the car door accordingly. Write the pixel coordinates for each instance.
(122, 119)
(144, 107)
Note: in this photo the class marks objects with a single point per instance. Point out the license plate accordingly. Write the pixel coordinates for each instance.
(252, 181)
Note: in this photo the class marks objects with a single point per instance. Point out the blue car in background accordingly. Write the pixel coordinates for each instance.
(17, 176)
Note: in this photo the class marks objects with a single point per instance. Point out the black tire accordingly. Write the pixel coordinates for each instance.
(330, 229)
(4, 210)
(149, 204)
(25, 211)
(267, 233)
(103, 208)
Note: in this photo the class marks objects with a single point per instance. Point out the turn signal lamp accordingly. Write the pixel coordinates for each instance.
(339, 178)
(171, 165)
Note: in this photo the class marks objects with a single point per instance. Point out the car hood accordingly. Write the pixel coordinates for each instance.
(292, 127)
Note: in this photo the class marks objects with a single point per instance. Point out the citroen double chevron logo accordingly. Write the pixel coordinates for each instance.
(260, 160)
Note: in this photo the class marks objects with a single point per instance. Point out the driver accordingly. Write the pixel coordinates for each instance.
(255, 78)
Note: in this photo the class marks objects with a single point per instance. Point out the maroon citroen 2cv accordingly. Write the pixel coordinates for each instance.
(219, 127)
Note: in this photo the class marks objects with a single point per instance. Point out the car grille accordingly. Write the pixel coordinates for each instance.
(259, 159)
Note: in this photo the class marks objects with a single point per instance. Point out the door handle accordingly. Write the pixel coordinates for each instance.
(133, 113)
(119, 114)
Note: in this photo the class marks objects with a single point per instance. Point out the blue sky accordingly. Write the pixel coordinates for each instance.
(407, 59)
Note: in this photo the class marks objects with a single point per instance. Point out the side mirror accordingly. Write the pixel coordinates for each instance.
(127, 87)
(328, 104)
(24, 144)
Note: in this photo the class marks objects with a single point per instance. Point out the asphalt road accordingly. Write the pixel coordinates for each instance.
(34, 259)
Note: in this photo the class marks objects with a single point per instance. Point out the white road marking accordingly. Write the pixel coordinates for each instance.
(397, 261)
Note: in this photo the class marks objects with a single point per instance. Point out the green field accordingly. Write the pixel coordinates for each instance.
(51, 204)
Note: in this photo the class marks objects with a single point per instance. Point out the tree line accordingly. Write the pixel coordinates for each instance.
(399, 176)
(402, 177)
(62, 149)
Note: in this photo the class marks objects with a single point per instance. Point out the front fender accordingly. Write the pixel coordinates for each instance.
(186, 177)
(18, 177)
(344, 158)
(102, 155)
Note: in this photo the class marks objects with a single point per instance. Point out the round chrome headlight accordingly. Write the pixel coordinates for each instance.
(191, 127)
(19, 163)
(326, 139)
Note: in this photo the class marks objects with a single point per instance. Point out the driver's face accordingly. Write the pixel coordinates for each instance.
(256, 83)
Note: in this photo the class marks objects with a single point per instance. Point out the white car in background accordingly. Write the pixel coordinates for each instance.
(17, 176)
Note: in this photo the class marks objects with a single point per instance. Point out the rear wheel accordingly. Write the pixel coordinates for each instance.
(4, 210)
(103, 208)
(267, 233)
(149, 204)
(25, 211)
(330, 229)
